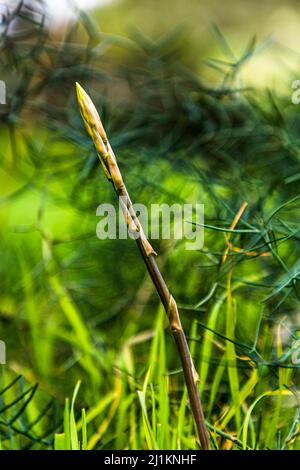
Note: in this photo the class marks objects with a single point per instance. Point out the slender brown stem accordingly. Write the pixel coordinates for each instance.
(110, 166)
(170, 306)
(190, 374)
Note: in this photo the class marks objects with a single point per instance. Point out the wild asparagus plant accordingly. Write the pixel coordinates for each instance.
(111, 169)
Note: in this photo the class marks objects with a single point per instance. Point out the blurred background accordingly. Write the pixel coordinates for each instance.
(274, 25)
(196, 100)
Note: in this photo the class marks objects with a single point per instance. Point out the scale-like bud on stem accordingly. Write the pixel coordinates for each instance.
(109, 163)
(93, 126)
(89, 113)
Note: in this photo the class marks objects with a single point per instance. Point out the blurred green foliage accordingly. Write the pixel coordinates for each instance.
(74, 307)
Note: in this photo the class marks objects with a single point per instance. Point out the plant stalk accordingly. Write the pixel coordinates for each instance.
(109, 163)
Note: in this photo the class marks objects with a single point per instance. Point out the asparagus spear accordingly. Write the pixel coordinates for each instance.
(111, 169)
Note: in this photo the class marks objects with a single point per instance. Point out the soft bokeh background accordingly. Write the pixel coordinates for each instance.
(196, 100)
(275, 25)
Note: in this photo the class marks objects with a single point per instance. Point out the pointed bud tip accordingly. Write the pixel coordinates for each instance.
(80, 91)
(79, 88)
(89, 112)
(82, 94)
